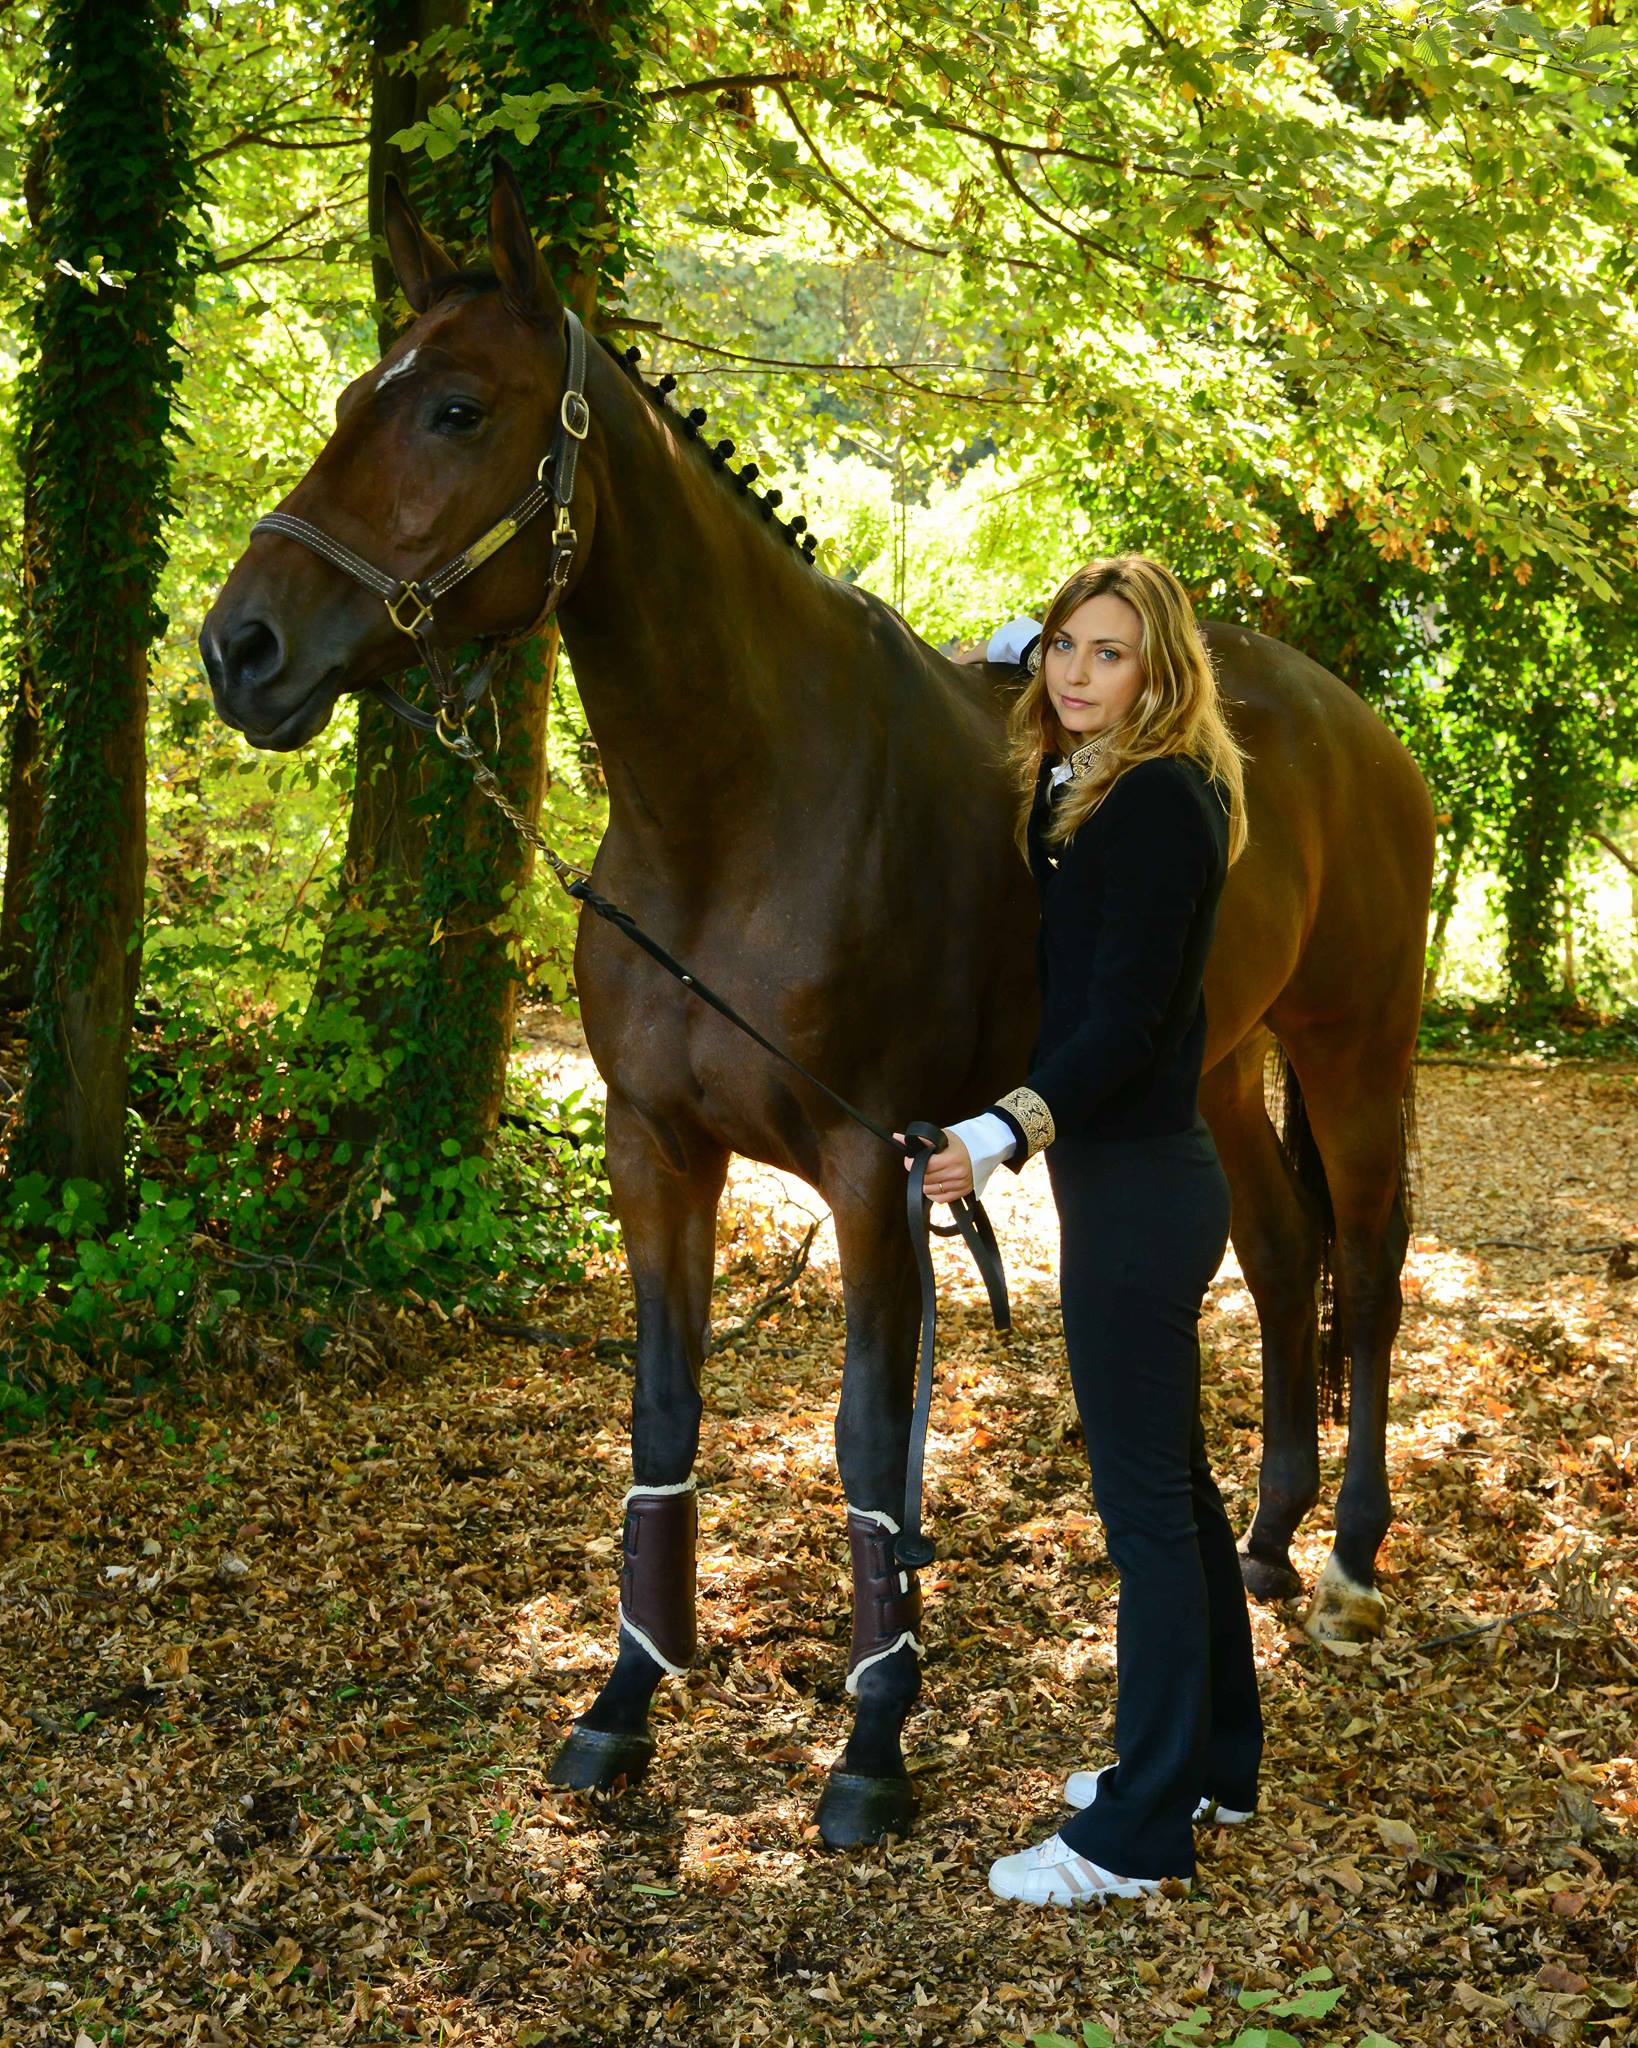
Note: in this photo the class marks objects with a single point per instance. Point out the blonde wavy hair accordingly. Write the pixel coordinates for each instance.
(1178, 709)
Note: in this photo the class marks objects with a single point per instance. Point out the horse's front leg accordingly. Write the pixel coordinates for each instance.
(868, 1795)
(666, 1183)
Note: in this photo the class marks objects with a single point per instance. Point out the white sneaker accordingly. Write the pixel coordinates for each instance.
(1051, 1874)
(1081, 1788)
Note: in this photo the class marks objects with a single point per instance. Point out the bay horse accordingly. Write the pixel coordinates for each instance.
(810, 807)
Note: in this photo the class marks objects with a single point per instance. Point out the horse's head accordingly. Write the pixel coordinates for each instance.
(432, 446)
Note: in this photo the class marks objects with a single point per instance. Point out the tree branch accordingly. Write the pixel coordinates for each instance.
(905, 241)
(729, 83)
(1100, 160)
(1610, 846)
(831, 369)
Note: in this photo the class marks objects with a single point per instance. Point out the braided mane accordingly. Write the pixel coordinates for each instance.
(795, 531)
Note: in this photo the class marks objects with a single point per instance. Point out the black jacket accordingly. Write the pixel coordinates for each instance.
(1128, 908)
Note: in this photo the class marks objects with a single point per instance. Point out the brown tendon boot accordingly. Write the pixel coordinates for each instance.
(886, 1599)
(657, 1573)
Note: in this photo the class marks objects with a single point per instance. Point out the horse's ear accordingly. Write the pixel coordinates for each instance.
(418, 260)
(525, 282)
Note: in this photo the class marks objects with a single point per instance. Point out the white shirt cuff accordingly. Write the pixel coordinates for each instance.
(1007, 643)
(988, 1139)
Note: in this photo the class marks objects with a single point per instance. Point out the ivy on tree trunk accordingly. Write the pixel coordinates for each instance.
(416, 818)
(96, 411)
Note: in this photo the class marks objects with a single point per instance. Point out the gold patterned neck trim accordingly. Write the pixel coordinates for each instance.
(1086, 758)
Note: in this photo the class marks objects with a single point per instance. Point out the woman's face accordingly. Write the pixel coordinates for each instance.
(1092, 669)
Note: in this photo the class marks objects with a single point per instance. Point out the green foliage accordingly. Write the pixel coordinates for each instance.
(1378, 260)
(249, 1194)
(558, 92)
(1498, 1030)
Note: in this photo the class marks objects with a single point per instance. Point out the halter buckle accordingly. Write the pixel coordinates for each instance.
(575, 414)
(423, 610)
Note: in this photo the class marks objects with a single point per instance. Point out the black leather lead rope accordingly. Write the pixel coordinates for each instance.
(911, 1548)
(455, 701)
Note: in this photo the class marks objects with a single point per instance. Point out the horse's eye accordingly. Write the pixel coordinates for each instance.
(458, 416)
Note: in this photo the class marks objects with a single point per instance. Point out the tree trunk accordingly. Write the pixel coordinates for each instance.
(1444, 899)
(1541, 830)
(399, 97)
(96, 404)
(85, 991)
(386, 836)
(25, 786)
(432, 867)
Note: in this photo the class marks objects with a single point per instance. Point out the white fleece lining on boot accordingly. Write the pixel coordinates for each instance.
(646, 1643)
(876, 1657)
(682, 1486)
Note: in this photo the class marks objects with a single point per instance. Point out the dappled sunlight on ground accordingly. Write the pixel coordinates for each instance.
(304, 1801)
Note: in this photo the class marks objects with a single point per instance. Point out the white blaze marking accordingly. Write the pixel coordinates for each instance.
(398, 369)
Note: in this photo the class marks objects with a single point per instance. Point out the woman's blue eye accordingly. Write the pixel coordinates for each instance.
(1063, 640)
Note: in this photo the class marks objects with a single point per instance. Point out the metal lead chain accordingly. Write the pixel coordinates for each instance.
(460, 741)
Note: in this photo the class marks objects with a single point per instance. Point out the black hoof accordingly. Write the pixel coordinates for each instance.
(856, 1811)
(593, 1760)
(1268, 1581)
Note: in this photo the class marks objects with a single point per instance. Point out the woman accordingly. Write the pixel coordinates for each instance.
(1132, 809)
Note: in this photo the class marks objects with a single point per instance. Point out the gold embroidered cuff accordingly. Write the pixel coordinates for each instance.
(1033, 1117)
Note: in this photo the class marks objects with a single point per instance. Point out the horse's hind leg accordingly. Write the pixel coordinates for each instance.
(869, 1795)
(1353, 1089)
(666, 1186)
(1276, 1233)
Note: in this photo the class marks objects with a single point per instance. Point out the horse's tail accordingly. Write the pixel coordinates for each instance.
(1303, 1154)
(1297, 1143)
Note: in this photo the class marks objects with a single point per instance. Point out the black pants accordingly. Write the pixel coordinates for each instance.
(1143, 1225)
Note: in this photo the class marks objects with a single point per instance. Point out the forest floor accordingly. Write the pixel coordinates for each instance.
(282, 1668)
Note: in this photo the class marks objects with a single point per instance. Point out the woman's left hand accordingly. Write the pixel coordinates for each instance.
(949, 1173)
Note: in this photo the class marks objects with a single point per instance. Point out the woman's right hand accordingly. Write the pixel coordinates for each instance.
(949, 1173)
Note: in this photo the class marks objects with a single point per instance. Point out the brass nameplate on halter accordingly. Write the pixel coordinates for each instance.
(495, 539)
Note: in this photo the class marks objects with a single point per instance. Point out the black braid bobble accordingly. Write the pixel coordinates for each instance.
(774, 498)
(632, 357)
(720, 453)
(667, 384)
(697, 417)
(797, 524)
(809, 544)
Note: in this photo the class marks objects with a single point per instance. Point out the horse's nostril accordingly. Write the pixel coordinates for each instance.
(253, 655)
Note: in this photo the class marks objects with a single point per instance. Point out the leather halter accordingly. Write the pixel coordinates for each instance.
(411, 602)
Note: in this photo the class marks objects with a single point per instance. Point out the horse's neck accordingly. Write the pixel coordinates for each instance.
(710, 657)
